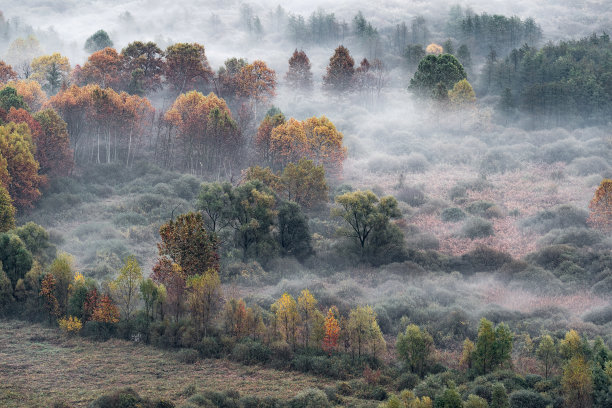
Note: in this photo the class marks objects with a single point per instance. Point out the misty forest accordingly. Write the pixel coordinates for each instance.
(250, 204)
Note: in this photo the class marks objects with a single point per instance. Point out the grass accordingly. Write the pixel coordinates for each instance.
(40, 365)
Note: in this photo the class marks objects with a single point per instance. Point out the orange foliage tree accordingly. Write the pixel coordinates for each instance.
(186, 64)
(601, 207)
(104, 68)
(6, 73)
(106, 311)
(53, 150)
(206, 130)
(47, 291)
(31, 92)
(257, 82)
(332, 331)
(316, 139)
(17, 149)
(299, 75)
(263, 146)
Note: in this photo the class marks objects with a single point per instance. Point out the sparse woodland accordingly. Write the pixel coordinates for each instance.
(421, 218)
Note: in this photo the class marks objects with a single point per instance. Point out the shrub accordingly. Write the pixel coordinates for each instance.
(477, 228)
(416, 163)
(70, 325)
(310, 398)
(497, 162)
(423, 241)
(208, 347)
(484, 209)
(527, 399)
(579, 237)
(129, 218)
(586, 166)
(414, 196)
(483, 259)
(561, 151)
(559, 217)
(249, 351)
(187, 356)
(552, 256)
(201, 401)
(453, 214)
(407, 381)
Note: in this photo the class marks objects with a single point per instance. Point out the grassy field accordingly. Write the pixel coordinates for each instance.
(39, 365)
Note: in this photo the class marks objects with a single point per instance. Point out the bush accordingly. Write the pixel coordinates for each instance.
(249, 351)
(578, 237)
(599, 316)
(128, 398)
(208, 347)
(311, 398)
(201, 401)
(187, 356)
(423, 241)
(497, 162)
(552, 256)
(414, 196)
(416, 163)
(129, 218)
(528, 399)
(586, 166)
(483, 259)
(477, 228)
(453, 214)
(407, 381)
(559, 217)
(484, 209)
(561, 151)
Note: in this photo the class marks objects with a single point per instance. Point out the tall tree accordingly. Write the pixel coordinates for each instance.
(577, 383)
(6, 73)
(51, 71)
(436, 69)
(7, 211)
(185, 65)
(293, 233)
(287, 318)
(104, 68)
(547, 354)
(98, 41)
(15, 258)
(299, 76)
(145, 66)
(53, 150)
(257, 82)
(126, 286)
(204, 298)
(304, 183)
(332, 331)
(414, 347)
(307, 309)
(340, 71)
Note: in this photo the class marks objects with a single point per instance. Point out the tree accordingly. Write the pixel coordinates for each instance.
(363, 329)
(126, 286)
(145, 65)
(263, 140)
(332, 331)
(450, 398)
(340, 71)
(287, 317)
(257, 82)
(547, 354)
(227, 84)
(104, 68)
(601, 207)
(499, 398)
(47, 291)
(415, 346)
(204, 298)
(98, 41)
(484, 353)
(32, 93)
(186, 242)
(15, 258)
(7, 211)
(185, 65)
(436, 69)
(106, 311)
(9, 98)
(364, 213)
(502, 347)
(293, 233)
(36, 240)
(467, 354)
(6, 73)
(464, 56)
(51, 71)
(577, 383)
(414, 54)
(462, 95)
(172, 285)
(299, 76)
(53, 151)
(18, 150)
(304, 183)
(215, 203)
(236, 318)
(149, 293)
(21, 52)
(307, 309)
(474, 401)
(572, 346)
(62, 270)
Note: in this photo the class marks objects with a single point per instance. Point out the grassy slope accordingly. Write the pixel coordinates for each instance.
(39, 365)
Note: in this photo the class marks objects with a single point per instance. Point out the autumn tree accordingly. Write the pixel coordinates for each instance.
(7, 211)
(47, 292)
(149, 293)
(309, 314)
(51, 71)
(204, 298)
(257, 82)
(186, 242)
(236, 318)
(547, 354)
(207, 131)
(299, 76)
(462, 95)
(363, 330)
(31, 92)
(304, 183)
(172, 284)
(126, 286)
(332, 331)
(17, 149)
(415, 347)
(104, 68)
(72, 105)
(98, 41)
(62, 270)
(185, 65)
(105, 311)
(577, 383)
(263, 141)
(340, 71)
(467, 355)
(6, 73)
(436, 69)
(601, 207)
(365, 213)
(287, 318)
(53, 151)
(145, 66)
(21, 52)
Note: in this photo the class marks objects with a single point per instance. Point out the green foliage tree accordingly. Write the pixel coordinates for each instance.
(98, 41)
(15, 258)
(577, 383)
(62, 270)
(293, 233)
(9, 98)
(450, 398)
(6, 291)
(493, 347)
(474, 401)
(214, 201)
(444, 69)
(149, 293)
(37, 241)
(7, 211)
(363, 330)
(499, 397)
(304, 183)
(415, 346)
(365, 214)
(547, 354)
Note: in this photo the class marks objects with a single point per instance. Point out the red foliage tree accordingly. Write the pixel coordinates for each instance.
(299, 75)
(104, 68)
(340, 71)
(106, 311)
(6, 73)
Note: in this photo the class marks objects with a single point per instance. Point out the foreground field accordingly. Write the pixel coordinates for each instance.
(39, 366)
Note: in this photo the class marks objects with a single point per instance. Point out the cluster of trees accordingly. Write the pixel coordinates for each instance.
(557, 83)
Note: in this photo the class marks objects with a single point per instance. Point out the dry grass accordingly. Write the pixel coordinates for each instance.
(39, 365)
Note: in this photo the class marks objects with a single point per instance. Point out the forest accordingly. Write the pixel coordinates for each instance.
(398, 207)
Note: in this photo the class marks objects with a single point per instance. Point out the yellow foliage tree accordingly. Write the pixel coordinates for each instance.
(287, 317)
